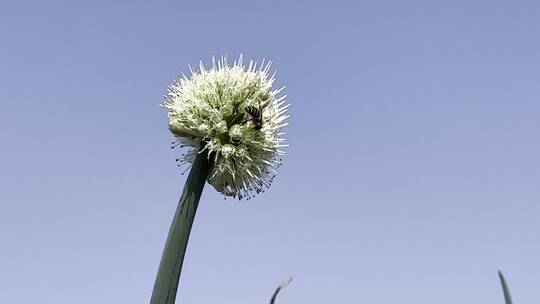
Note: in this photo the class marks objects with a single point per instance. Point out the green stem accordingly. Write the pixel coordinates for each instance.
(175, 248)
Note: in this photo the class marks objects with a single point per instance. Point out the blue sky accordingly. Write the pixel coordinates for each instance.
(413, 172)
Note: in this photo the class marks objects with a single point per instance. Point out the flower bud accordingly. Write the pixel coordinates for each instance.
(235, 133)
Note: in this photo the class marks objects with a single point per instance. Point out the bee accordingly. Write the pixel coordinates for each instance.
(256, 116)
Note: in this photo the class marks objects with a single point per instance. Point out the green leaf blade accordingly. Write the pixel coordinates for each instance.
(506, 290)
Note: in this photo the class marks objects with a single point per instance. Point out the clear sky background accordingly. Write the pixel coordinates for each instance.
(413, 172)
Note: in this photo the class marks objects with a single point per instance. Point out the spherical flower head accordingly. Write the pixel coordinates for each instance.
(234, 112)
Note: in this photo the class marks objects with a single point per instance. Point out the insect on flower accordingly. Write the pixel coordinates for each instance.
(210, 110)
(256, 116)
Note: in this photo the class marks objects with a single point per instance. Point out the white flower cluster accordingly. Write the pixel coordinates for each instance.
(233, 112)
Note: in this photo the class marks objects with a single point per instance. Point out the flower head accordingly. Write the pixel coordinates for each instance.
(233, 112)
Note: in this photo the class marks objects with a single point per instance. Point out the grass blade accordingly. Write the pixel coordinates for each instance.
(280, 287)
(506, 291)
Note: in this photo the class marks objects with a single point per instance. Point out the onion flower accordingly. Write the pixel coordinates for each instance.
(228, 119)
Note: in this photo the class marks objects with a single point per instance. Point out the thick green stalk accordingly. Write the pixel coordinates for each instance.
(506, 291)
(175, 247)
